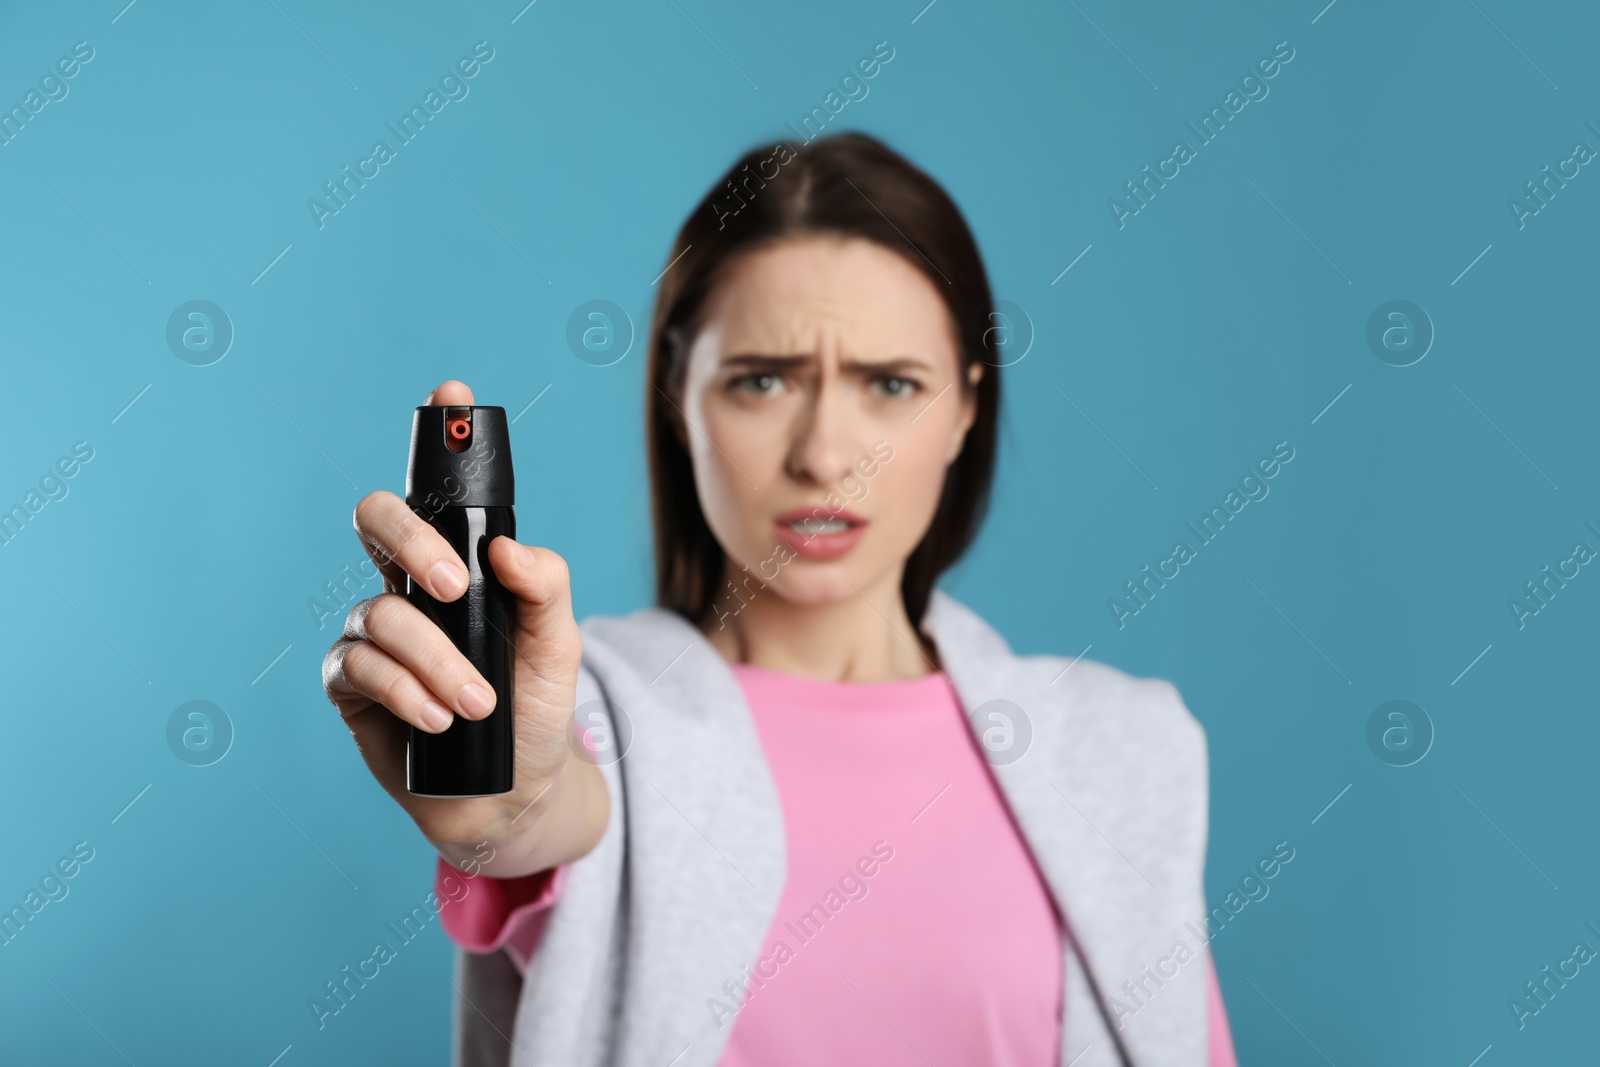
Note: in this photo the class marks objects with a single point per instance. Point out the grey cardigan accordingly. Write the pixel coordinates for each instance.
(1110, 795)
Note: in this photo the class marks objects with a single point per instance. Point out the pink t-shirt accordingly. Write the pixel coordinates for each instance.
(913, 922)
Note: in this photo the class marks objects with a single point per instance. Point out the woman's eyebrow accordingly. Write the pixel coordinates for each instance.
(759, 361)
(886, 366)
(764, 361)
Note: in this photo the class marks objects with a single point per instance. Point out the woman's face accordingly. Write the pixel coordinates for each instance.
(823, 408)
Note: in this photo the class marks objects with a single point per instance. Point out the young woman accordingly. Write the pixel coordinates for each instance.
(813, 811)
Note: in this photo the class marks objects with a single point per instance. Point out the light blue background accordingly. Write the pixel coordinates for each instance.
(1206, 330)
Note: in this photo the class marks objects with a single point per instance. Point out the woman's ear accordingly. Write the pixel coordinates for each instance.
(969, 411)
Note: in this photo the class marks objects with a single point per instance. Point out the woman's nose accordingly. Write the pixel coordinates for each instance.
(819, 453)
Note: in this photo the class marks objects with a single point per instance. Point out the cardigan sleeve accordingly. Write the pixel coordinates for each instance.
(496, 913)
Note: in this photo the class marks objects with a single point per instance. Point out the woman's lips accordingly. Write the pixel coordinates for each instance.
(828, 542)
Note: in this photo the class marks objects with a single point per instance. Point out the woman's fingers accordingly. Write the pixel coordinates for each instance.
(380, 737)
(400, 543)
(417, 644)
(356, 668)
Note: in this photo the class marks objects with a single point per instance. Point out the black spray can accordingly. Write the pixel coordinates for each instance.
(459, 481)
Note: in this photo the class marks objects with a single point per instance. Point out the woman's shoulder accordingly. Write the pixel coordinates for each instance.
(1098, 689)
(1142, 716)
(1085, 695)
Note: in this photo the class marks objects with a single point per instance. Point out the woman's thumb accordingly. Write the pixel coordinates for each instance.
(547, 635)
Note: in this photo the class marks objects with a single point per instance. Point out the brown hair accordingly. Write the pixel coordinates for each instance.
(847, 185)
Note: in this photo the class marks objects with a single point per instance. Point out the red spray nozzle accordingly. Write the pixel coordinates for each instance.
(458, 433)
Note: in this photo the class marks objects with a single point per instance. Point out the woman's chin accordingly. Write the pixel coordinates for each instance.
(813, 584)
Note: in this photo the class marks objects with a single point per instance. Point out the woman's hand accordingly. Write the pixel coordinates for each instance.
(394, 668)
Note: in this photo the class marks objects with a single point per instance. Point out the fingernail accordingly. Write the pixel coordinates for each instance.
(447, 578)
(475, 699)
(436, 715)
(524, 556)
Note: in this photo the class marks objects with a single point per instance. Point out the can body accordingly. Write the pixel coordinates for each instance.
(472, 757)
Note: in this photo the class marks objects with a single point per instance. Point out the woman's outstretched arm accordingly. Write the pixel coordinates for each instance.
(394, 669)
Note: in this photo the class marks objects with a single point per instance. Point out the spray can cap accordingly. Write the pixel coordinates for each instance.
(460, 457)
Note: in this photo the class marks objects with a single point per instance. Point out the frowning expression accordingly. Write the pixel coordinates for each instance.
(824, 401)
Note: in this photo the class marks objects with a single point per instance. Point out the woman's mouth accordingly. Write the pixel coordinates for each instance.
(818, 533)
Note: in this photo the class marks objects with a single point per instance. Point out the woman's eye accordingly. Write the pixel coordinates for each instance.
(892, 386)
(760, 384)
